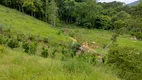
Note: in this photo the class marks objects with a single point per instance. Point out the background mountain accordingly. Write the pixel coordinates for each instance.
(133, 3)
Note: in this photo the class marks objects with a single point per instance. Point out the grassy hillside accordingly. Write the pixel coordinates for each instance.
(102, 37)
(22, 23)
(17, 65)
(20, 66)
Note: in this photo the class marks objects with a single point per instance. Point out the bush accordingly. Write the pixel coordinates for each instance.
(30, 47)
(60, 32)
(33, 48)
(138, 36)
(71, 33)
(26, 47)
(65, 53)
(44, 52)
(7, 32)
(1, 29)
(73, 48)
(3, 40)
(45, 40)
(20, 37)
(13, 43)
(53, 53)
(2, 49)
(126, 62)
(31, 37)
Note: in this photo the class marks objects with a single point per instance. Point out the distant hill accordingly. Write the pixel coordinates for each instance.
(133, 3)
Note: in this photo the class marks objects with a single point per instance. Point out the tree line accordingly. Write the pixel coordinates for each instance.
(84, 13)
(45, 10)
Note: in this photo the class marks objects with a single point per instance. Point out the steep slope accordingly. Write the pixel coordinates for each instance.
(17, 65)
(21, 23)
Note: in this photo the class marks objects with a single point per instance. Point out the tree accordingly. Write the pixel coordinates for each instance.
(60, 4)
(69, 7)
(52, 13)
(30, 7)
(46, 10)
(39, 4)
(19, 5)
(6, 2)
(86, 13)
(80, 0)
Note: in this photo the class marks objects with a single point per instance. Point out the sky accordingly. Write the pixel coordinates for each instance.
(125, 1)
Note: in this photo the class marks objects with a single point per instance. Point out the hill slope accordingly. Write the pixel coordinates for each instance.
(17, 65)
(22, 23)
(103, 37)
(20, 66)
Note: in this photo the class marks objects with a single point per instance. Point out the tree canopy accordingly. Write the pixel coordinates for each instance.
(84, 13)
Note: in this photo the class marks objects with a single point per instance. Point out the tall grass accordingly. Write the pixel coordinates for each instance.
(20, 66)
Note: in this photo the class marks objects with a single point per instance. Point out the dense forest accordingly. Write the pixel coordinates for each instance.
(85, 13)
(91, 19)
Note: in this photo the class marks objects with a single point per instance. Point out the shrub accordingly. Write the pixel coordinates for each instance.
(31, 37)
(1, 29)
(64, 53)
(45, 40)
(72, 53)
(53, 53)
(138, 36)
(7, 32)
(13, 43)
(127, 62)
(60, 32)
(26, 47)
(30, 47)
(88, 58)
(33, 48)
(20, 37)
(2, 49)
(71, 33)
(3, 40)
(74, 47)
(44, 52)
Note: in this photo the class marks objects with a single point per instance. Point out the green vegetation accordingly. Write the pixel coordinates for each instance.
(20, 66)
(120, 57)
(13, 44)
(85, 41)
(45, 53)
(28, 26)
(93, 35)
(85, 13)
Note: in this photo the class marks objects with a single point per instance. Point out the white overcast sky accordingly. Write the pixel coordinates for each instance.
(126, 1)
